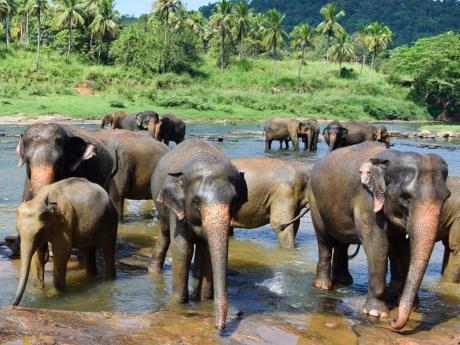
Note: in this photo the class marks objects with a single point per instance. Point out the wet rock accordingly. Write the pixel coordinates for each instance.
(425, 134)
(429, 146)
(453, 134)
(442, 135)
(331, 325)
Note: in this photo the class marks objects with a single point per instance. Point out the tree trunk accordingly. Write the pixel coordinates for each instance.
(222, 46)
(21, 33)
(301, 62)
(340, 65)
(7, 30)
(240, 55)
(328, 46)
(275, 65)
(27, 29)
(38, 39)
(91, 41)
(70, 40)
(99, 53)
(165, 48)
(362, 65)
(372, 66)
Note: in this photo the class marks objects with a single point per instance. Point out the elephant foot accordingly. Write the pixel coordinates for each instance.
(155, 267)
(344, 279)
(376, 308)
(323, 284)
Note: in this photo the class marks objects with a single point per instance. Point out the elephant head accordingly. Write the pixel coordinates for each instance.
(145, 118)
(51, 154)
(381, 134)
(106, 120)
(33, 221)
(335, 135)
(207, 195)
(410, 190)
(161, 126)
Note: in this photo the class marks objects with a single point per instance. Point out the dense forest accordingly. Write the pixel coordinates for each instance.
(409, 19)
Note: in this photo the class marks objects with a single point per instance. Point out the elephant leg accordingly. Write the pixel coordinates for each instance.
(61, 257)
(282, 212)
(231, 232)
(89, 255)
(202, 272)
(39, 260)
(118, 200)
(399, 255)
(295, 141)
(268, 145)
(182, 252)
(375, 244)
(452, 269)
(160, 250)
(340, 272)
(108, 250)
(445, 258)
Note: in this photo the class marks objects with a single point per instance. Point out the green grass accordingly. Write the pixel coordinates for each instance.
(441, 128)
(243, 91)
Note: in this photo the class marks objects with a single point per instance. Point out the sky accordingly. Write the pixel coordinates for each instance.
(138, 7)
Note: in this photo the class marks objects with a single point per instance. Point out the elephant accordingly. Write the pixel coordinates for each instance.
(197, 191)
(136, 156)
(285, 129)
(168, 128)
(311, 138)
(139, 121)
(71, 213)
(349, 133)
(114, 120)
(276, 193)
(379, 196)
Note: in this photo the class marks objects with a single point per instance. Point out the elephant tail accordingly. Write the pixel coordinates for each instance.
(301, 214)
(352, 256)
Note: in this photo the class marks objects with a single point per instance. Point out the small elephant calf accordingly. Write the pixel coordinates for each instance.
(71, 213)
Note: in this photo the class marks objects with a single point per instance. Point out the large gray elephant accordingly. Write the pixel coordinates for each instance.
(285, 129)
(379, 196)
(139, 121)
(72, 213)
(197, 191)
(276, 194)
(136, 155)
(168, 127)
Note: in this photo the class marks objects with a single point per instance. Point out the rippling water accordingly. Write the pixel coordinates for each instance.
(263, 278)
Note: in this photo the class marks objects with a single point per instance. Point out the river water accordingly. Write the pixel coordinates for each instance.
(263, 278)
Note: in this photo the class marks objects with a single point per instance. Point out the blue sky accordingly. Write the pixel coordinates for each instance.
(137, 7)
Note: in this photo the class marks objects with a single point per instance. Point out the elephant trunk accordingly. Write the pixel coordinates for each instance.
(151, 129)
(309, 140)
(27, 250)
(422, 228)
(158, 131)
(41, 175)
(388, 142)
(332, 141)
(216, 223)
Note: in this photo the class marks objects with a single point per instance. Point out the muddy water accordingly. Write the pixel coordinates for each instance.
(264, 280)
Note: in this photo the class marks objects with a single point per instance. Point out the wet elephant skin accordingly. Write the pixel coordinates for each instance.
(285, 129)
(168, 128)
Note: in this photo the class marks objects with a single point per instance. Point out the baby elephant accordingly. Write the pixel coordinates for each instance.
(71, 213)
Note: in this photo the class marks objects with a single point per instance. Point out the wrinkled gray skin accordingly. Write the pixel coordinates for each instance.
(276, 193)
(139, 121)
(196, 191)
(285, 129)
(136, 155)
(311, 138)
(379, 195)
(168, 128)
(72, 213)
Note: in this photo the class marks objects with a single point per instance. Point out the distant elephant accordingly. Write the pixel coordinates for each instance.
(114, 120)
(197, 191)
(72, 213)
(378, 196)
(311, 137)
(285, 129)
(335, 135)
(168, 128)
(276, 194)
(136, 156)
(139, 121)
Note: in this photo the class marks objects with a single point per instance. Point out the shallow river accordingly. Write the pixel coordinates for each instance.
(263, 279)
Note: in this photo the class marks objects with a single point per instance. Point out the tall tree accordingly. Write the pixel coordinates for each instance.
(274, 35)
(70, 14)
(222, 18)
(341, 49)
(104, 25)
(37, 8)
(379, 38)
(330, 25)
(242, 14)
(363, 36)
(164, 8)
(302, 36)
(7, 7)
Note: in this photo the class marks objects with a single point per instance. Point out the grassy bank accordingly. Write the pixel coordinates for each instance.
(441, 128)
(243, 91)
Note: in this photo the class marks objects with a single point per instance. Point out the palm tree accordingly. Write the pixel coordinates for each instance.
(7, 7)
(164, 8)
(104, 25)
(70, 14)
(342, 49)
(256, 30)
(330, 26)
(274, 35)
(91, 10)
(222, 18)
(363, 37)
(302, 37)
(37, 8)
(379, 38)
(21, 10)
(242, 14)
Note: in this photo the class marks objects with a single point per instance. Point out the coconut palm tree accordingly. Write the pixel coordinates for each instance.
(330, 25)
(165, 8)
(7, 8)
(104, 25)
(222, 18)
(37, 8)
(379, 38)
(70, 14)
(363, 36)
(256, 31)
(302, 36)
(342, 48)
(242, 15)
(274, 35)
(22, 11)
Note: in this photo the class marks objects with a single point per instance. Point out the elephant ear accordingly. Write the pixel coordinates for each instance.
(373, 177)
(344, 133)
(139, 120)
(78, 151)
(172, 194)
(20, 153)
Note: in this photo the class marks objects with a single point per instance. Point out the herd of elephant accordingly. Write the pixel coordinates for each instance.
(395, 204)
